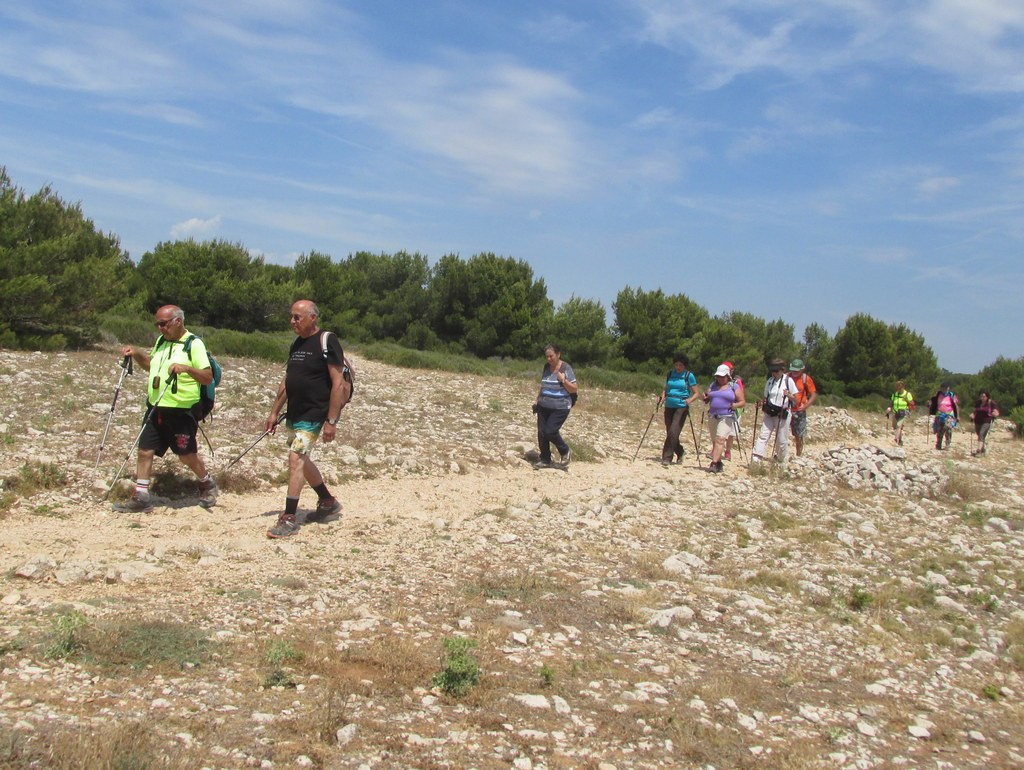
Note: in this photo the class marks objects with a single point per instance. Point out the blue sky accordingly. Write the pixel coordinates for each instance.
(796, 160)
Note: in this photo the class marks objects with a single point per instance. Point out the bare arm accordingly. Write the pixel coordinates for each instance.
(334, 405)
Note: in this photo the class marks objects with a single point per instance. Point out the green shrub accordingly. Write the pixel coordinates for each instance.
(1017, 418)
(859, 599)
(461, 671)
(66, 635)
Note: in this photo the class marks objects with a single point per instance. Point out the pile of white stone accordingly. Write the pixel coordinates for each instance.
(868, 466)
(833, 419)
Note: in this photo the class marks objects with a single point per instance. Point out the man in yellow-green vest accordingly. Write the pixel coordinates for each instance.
(175, 376)
(902, 402)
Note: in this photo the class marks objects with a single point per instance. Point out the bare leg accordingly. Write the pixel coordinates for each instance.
(195, 462)
(144, 464)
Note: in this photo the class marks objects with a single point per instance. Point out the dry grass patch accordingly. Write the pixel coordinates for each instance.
(32, 479)
(968, 486)
(650, 567)
(387, 664)
(237, 482)
(784, 581)
(519, 586)
(625, 609)
(1015, 643)
(117, 746)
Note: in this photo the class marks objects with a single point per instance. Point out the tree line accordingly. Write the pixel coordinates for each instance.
(59, 276)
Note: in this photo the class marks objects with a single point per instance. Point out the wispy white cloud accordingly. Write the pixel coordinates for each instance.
(933, 186)
(977, 41)
(556, 28)
(887, 255)
(165, 113)
(727, 39)
(79, 53)
(196, 228)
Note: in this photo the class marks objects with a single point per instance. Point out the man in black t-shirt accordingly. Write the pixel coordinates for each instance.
(313, 387)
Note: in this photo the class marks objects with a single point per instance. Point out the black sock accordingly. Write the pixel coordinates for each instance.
(291, 506)
(321, 490)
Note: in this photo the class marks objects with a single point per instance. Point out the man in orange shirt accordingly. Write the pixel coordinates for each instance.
(807, 394)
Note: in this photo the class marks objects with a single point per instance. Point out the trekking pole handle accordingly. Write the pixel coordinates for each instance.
(127, 364)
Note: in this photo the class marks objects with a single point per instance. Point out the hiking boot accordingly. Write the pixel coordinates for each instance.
(286, 527)
(136, 504)
(208, 492)
(542, 464)
(326, 507)
(566, 457)
(666, 462)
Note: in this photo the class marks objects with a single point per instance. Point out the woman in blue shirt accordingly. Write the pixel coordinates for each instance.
(680, 391)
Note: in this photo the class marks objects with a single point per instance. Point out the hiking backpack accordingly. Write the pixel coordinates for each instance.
(207, 393)
(348, 372)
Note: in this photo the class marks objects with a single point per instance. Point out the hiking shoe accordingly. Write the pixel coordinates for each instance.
(542, 464)
(326, 507)
(566, 457)
(136, 504)
(208, 492)
(286, 527)
(666, 462)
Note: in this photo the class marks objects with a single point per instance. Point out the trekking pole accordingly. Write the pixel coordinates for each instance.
(696, 446)
(755, 430)
(126, 369)
(701, 434)
(207, 439)
(739, 437)
(135, 443)
(254, 443)
(656, 406)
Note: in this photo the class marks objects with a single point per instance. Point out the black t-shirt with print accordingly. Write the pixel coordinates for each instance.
(307, 380)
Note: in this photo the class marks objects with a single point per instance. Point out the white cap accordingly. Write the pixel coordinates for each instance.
(723, 371)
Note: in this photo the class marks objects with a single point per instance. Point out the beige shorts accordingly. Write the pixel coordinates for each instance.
(722, 427)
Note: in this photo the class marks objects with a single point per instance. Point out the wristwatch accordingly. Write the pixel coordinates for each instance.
(333, 422)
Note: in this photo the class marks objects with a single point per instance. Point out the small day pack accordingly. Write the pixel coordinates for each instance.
(207, 393)
(348, 371)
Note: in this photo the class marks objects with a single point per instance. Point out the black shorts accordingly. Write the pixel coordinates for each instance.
(173, 429)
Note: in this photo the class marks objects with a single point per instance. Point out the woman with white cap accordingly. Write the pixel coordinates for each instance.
(724, 397)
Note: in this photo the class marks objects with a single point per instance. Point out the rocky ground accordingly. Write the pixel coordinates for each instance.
(864, 610)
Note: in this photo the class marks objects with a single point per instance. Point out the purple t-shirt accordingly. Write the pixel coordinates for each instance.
(721, 399)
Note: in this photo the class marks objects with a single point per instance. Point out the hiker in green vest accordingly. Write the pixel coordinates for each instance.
(902, 403)
(174, 382)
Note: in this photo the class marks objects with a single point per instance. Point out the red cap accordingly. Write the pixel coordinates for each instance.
(727, 363)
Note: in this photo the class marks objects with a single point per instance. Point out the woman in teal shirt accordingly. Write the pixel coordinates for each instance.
(680, 391)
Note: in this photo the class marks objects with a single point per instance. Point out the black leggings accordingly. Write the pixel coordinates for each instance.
(549, 425)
